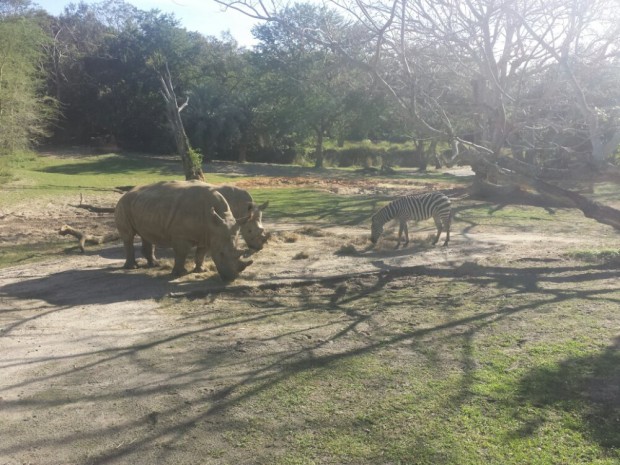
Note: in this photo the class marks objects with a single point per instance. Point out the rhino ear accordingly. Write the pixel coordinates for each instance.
(263, 206)
(242, 221)
(218, 219)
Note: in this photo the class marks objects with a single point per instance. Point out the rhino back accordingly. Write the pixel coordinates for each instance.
(238, 199)
(163, 212)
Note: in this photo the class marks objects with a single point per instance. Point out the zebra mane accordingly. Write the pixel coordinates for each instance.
(384, 214)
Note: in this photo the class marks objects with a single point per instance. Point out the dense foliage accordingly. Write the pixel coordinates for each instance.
(314, 73)
(25, 112)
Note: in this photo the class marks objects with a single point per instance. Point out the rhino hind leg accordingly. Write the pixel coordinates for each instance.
(130, 258)
(148, 252)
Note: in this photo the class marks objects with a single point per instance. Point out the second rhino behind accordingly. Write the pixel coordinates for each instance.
(242, 206)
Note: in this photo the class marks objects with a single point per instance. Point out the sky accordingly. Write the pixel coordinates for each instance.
(204, 16)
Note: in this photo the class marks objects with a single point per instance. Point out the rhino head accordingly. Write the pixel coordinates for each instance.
(252, 230)
(225, 255)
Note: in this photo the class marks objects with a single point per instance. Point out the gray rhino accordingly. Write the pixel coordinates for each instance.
(242, 206)
(181, 214)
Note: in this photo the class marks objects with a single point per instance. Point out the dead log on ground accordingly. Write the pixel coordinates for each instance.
(84, 238)
(95, 209)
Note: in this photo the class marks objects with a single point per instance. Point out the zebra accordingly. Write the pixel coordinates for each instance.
(414, 207)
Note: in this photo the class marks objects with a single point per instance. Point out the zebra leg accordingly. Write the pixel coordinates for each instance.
(406, 233)
(439, 228)
(401, 227)
(449, 222)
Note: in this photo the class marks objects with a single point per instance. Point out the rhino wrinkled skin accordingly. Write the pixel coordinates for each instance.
(180, 215)
(242, 206)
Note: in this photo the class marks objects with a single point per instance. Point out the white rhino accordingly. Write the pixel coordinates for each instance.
(180, 214)
(242, 206)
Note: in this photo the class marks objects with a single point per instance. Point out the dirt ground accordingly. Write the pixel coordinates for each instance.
(95, 370)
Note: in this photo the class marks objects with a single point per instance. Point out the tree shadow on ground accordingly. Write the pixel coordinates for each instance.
(104, 285)
(585, 386)
(233, 378)
(119, 164)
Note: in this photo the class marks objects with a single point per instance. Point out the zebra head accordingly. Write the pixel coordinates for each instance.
(376, 229)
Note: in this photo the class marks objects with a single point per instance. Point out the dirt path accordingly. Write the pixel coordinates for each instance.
(97, 369)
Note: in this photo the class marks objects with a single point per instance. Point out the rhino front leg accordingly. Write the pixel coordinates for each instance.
(130, 257)
(181, 249)
(201, 252)
(148, 252)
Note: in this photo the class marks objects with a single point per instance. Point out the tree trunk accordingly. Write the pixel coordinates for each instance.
(591, 209)
(191, 161)
(319, 147)
(432, 154)
(419, 156)
(243, 152)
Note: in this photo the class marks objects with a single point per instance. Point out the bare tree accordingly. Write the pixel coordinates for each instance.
(488, 75)
(191, 161)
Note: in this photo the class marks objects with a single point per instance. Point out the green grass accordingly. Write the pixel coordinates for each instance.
(524, 218)
(43, 176)
(434, 370)
(32, 252)
(502, 364)
(610, 256)
(309, 205)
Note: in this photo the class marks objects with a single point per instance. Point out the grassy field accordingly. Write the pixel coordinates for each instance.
(503, 360)
(500, 365)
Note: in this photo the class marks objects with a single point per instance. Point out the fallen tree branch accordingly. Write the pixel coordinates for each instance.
(486, 169)
(84, 238)
(95, 209)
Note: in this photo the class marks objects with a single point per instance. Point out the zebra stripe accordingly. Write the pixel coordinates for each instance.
(414, 207)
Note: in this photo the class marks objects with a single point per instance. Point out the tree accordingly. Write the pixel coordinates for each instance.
(191, 160)
(482, 68)
(221, 119)
(309, 83)
(80, 67)
(99, 70)
(25, 112)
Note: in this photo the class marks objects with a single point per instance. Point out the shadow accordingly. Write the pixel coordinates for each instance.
(105, 285)
(204, 374)
(89, 286)
(327, 207)
(120, 163)
(291, 171)
(587, 387)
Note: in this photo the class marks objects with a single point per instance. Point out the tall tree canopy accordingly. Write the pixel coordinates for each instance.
(25, 111)
(507, 63)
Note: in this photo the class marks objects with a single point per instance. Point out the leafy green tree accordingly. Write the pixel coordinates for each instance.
(220, 115)
(310, 86)
(100, 68)
(77, 60)
(25, 112)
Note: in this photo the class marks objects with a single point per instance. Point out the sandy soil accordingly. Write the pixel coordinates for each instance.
(94, 369)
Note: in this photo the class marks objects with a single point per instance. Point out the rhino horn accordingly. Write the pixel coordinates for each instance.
(216, 216)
